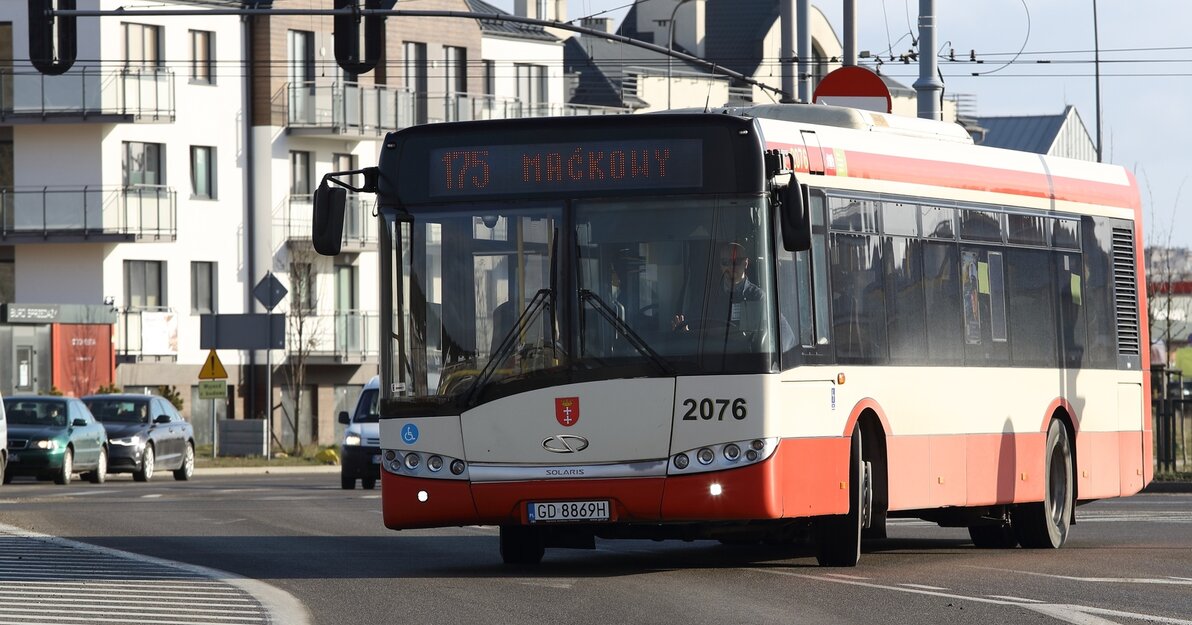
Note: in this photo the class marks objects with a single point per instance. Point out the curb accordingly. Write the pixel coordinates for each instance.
(330, 468)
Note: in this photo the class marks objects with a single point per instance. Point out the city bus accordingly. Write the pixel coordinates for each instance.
(782, 323)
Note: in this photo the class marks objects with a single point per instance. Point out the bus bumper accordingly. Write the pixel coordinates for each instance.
(803, 478)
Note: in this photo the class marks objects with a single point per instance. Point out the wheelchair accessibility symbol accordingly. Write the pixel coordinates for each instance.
(409, 433)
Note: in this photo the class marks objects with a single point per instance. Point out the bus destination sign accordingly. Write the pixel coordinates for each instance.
(562, 167)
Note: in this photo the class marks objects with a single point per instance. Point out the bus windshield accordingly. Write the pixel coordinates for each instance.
(499, 298)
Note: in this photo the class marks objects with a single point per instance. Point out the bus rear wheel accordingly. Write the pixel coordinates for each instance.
(838, 537)
(521, 545)
(1044, 525)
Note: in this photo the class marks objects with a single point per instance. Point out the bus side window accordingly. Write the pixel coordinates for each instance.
(803, 286)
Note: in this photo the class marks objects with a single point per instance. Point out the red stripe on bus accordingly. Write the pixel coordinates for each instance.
(805, 477)
(995, 469)
(953, 175)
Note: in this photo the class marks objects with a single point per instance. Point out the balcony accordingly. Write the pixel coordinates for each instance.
(88, 95)
(145, 213)
(148, 334)
(292, 219)
(350, 110)
(346, 336)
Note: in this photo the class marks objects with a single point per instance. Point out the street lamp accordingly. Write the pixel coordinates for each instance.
(670, 44)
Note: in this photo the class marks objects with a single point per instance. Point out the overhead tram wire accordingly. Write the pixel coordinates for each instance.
(714, 67)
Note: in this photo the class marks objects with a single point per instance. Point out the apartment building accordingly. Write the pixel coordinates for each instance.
(172, 167)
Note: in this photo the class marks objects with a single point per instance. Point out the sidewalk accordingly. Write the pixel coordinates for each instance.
(266, 470)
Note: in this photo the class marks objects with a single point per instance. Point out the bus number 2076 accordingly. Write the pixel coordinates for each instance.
(709, 408)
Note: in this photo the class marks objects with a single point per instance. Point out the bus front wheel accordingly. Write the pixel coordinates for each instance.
(838, 537)
(521, 545)
(1044, 525)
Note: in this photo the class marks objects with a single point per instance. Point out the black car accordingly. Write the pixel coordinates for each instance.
(52, 437)
(145, 433)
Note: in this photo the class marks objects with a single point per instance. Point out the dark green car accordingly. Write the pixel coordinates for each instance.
(53, 438)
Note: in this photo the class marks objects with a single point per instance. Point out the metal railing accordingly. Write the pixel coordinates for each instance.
(135, 212)
(132, 340)
(292, 221)
(1172, 413)
(139, 94)
(349, 108)
(352, 335)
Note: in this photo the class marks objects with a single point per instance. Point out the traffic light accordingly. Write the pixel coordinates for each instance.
(347, 37)
(46, 31)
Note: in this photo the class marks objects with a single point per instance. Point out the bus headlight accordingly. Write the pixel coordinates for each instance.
(722, 456)
(434, 463)
(408, 463)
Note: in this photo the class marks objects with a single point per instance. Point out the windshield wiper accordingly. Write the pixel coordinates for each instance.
(600, 306)
(540, 300)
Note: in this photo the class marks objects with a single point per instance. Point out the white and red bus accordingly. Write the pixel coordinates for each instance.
(770, 323)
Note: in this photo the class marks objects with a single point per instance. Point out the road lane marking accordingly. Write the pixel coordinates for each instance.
(923, 586)
(1069, 613)
(192, 594)
(1013, 598)
(1171, 581)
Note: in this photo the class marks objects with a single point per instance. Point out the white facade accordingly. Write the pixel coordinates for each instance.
(506, 53)
(91, 154)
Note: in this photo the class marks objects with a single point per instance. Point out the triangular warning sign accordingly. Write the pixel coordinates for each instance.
(213, 369)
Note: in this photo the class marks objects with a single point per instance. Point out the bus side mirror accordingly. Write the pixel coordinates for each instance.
(344, 417)
(795, 217)
(327, 223)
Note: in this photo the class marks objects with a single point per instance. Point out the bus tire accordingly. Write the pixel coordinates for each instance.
(838, 537)
(1044, 525)
(521, 545)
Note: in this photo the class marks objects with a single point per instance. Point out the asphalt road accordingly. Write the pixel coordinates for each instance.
(1127, 561)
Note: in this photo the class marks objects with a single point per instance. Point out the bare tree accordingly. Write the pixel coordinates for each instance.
(303, 335)
(1164, 270)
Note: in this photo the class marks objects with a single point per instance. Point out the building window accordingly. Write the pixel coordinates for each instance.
(300, 71)
(531, 83)
(202, 55)
(143, 163)
(202, 288)
(417, 81)
(302, 286)
(142, 46)
(202, 171)
(490, 78)
(456, 59)
(300, 173)
(144, 284)
(300, 52)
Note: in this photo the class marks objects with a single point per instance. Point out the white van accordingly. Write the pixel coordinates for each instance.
(360, 450)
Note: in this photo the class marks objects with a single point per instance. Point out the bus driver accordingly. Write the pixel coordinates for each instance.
(725, 303)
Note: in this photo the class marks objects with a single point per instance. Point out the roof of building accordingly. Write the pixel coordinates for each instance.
(735, 31)
(505, 28)
(602, 65)
(629, 29)
(1027, 133)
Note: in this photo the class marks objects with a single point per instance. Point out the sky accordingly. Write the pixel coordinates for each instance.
(1146, 75)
